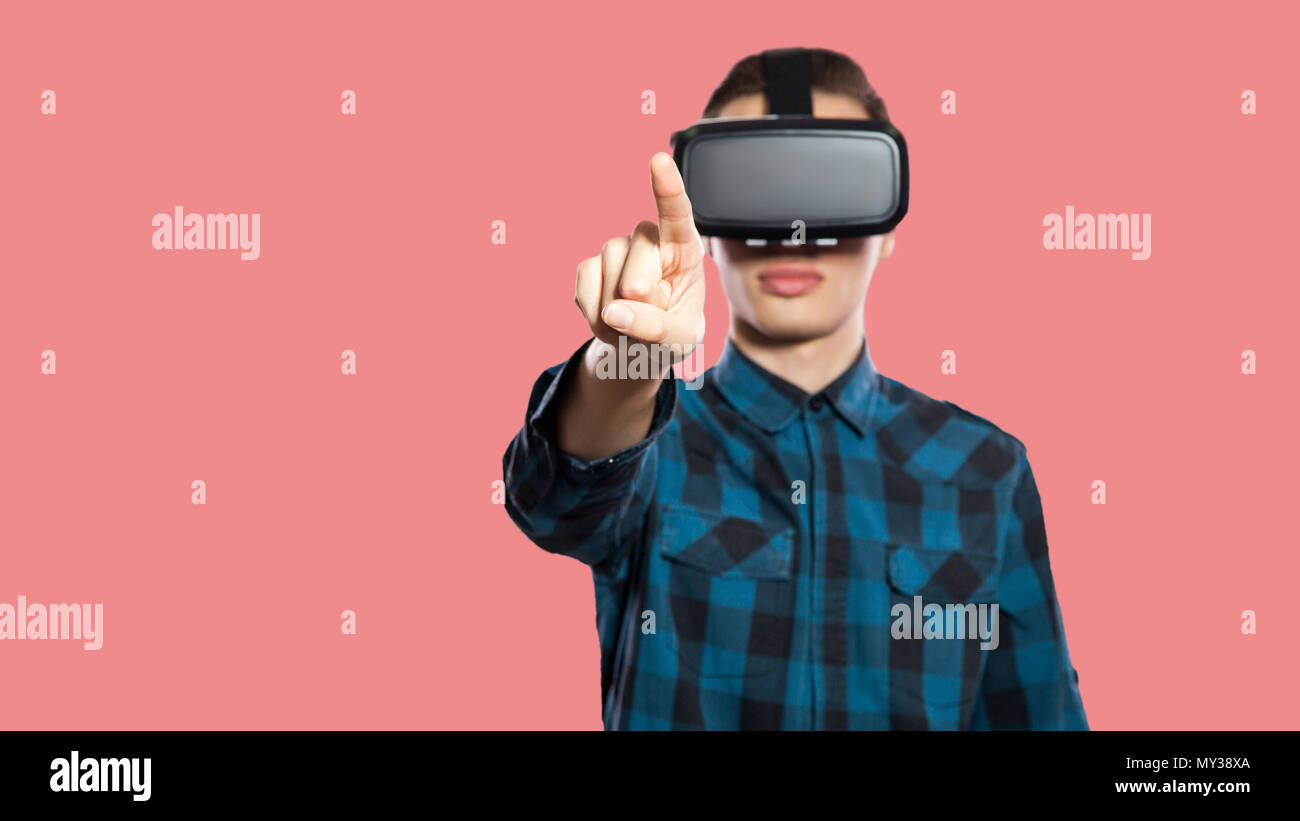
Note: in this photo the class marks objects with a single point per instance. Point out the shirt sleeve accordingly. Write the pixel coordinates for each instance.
(587, 510)
(1029, 682)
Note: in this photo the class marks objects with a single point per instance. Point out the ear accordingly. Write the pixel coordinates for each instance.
(887, 245)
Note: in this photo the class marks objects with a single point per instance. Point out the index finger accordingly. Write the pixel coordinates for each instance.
(676, 221)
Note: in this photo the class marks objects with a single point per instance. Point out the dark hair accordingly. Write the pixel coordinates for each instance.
(832, 72)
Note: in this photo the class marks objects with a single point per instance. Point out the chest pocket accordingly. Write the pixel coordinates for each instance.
(730, 593)
(729, 547)
(935, 656)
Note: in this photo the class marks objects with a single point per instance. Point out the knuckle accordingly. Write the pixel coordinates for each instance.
(637, 281)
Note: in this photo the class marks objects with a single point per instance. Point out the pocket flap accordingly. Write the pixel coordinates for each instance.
(727, 546)
(939, 574)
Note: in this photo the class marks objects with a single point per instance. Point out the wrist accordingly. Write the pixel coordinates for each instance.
(627, 374)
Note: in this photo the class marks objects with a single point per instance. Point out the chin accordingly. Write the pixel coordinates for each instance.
(792, 328)
(791, 319)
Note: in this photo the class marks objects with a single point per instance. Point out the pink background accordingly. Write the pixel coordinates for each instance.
(373, 492)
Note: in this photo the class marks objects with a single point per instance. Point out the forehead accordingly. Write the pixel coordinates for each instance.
(825, 104)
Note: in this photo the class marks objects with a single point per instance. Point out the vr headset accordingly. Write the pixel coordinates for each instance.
(762, 179)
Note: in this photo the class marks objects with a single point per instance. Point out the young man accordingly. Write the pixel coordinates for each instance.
(758, 543)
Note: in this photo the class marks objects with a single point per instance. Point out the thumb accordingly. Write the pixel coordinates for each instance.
(649, 323)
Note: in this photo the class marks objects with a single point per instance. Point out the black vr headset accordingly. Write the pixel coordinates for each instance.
(763, 179)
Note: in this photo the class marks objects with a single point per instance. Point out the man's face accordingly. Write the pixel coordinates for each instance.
(792, 293)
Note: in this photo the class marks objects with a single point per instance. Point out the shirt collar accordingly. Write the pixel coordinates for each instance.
(772, 402)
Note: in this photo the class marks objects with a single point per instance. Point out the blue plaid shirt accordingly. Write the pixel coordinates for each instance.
(750, 553)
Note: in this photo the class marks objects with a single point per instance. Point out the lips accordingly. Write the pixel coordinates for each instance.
(789, 279)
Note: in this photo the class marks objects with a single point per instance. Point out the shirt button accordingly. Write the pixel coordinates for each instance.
(816, 403)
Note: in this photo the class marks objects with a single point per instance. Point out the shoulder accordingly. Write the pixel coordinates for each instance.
(937, 440)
